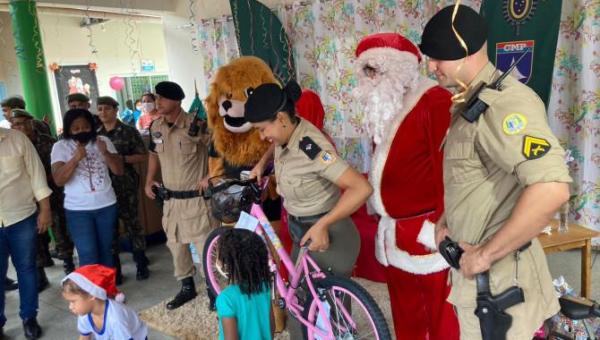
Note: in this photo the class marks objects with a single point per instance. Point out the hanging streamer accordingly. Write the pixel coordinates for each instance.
(90, 33)
(193, 27)
(39, 54)
(459, 97)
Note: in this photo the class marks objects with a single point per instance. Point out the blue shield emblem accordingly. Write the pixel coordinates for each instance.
(507, 53)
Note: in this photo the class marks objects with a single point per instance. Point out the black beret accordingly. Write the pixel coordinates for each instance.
(106, 100)
(439, 41)
(267, 100)
(20, 113)
(77, 97)
(169, 90)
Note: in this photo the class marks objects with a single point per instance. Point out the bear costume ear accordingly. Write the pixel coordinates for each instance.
(293, 91)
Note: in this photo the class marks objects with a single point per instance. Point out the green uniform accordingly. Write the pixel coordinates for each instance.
(306, 169)
(64, 246)
(487, 165)
(128, 141)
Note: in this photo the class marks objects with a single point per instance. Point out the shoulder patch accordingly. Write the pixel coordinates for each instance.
(534, 148)
(326, 157)
(514, 123)
(309, 147)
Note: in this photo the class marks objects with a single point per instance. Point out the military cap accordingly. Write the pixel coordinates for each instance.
(267, 100)
(77, 97)
(107, 100)
(169, 90)
(439, 41)
(20, 113)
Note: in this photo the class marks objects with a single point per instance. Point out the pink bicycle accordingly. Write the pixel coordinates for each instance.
(327, 307)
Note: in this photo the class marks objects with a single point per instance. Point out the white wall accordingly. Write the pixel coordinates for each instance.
(67, 44)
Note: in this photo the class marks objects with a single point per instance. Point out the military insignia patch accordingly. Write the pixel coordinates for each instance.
(514, 123)
(534, 148)
(507, 53)
(327, 157)
(310, 148)
(518, 12)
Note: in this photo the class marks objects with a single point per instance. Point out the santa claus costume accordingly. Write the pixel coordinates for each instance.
(407, 115)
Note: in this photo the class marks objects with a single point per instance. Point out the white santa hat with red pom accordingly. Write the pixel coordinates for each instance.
(98, 281)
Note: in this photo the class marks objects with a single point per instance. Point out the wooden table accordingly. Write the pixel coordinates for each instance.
(576, 237)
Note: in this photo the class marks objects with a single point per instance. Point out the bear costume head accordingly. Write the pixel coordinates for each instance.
(234, 140)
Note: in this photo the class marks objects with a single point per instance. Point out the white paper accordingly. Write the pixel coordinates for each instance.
(247, 222)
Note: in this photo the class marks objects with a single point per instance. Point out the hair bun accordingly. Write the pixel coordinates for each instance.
(293, 91)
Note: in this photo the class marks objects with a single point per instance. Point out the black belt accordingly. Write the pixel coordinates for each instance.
(181, 195)
(304, 219)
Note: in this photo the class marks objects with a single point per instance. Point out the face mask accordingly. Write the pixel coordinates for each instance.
(148, 107)
(83, 137)
(138, 108)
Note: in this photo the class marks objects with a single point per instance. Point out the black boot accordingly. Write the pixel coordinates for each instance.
(68, 265)
(187, 293)
(119, 278)
(42, 279)
(10, 284)
(142, 265)
(32, 329)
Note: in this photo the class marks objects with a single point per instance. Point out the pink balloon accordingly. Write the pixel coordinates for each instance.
(116, 83)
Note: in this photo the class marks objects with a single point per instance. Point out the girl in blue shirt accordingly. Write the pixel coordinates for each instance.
(244, 307)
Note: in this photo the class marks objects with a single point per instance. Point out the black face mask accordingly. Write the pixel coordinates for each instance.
(84, 137)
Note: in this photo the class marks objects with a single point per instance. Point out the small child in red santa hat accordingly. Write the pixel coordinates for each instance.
(94, 298)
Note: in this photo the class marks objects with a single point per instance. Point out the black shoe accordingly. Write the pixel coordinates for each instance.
(68, 265)
(32, 329)
(42, 279)
(186, 294)
(142, 265)
(10, 284)
(119, 277)
(48, 262)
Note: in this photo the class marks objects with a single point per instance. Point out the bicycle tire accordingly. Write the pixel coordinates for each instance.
(378, 323)
(208, 261)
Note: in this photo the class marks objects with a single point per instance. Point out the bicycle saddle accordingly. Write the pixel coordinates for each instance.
(578, 308)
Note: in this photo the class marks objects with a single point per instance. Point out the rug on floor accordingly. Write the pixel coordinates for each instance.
(194, 321)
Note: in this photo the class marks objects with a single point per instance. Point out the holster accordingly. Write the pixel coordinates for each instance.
(493, 320)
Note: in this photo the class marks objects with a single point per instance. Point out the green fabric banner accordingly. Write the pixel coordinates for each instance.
(261, 34)
(524, 26)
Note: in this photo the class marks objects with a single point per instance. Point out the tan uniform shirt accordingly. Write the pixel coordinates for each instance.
(306, 170)
(183, 163)
(22, 178)
(487, 165)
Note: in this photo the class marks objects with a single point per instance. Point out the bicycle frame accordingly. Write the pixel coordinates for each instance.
(302, 268)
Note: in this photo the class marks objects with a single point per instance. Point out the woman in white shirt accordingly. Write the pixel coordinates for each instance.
(81, 163)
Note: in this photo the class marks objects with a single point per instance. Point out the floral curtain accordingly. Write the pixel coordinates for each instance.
(574, 108)
(324, 35)
(218, 45)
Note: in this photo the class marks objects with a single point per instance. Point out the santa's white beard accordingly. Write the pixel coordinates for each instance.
(380, 100)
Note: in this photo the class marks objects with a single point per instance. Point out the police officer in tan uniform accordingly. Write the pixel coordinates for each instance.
(310, 176)
(182, 158)
(504, 177)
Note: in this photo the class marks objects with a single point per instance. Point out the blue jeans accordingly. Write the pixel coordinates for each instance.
(19, 241)
(92, 232)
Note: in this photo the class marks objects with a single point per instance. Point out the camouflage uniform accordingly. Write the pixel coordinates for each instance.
(64, 246)
(128, 141)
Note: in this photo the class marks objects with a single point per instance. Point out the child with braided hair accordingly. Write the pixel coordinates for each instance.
(244, 307)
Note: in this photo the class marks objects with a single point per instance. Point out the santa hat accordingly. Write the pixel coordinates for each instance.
(97, 280)
(382, 50)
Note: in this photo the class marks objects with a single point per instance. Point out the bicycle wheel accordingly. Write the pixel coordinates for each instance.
(352, 311)
(216, 279)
